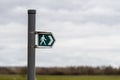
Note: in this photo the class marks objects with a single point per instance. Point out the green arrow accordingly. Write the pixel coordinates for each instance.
(45, 39)
(51, 40)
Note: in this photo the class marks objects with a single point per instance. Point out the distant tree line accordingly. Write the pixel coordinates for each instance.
(81, 70)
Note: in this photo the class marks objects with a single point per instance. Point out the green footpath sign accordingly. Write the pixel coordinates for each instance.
(45, 39)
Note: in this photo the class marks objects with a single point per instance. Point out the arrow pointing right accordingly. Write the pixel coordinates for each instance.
(45, 39)
(51, 40)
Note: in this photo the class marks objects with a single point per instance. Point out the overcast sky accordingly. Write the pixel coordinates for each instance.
(87, 32)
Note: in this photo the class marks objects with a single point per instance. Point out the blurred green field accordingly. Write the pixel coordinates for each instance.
(18, 77)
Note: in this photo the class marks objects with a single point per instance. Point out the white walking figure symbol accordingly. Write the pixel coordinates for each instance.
(43, 40)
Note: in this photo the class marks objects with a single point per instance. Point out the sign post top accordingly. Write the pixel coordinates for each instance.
(31, 11)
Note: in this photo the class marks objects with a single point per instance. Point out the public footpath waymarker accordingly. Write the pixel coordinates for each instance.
(45, 39)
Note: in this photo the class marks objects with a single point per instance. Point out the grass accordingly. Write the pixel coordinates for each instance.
(47, 77)
(78, 77)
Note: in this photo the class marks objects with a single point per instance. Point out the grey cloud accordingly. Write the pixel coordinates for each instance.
(63, 5)
(85, 31)
(71, 60)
